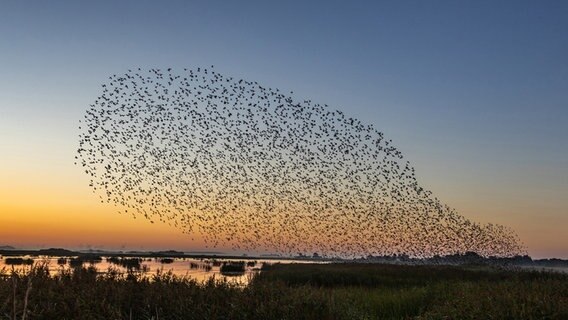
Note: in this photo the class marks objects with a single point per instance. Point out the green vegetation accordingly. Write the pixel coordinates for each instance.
(288, 291)
(370, 291)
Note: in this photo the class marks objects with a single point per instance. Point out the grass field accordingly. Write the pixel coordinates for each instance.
(290, 291)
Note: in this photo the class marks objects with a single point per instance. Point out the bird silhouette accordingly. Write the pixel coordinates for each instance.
(247, 166)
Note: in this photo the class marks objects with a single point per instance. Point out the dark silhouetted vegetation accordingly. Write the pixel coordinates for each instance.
(233, 268)
(128, 263)
(265, 266)
(80, 260)
(301, 291)
(18, 261)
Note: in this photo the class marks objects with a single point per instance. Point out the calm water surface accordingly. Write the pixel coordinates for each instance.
(198, 269)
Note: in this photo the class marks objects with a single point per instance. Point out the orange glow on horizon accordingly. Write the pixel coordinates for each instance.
(58, 209)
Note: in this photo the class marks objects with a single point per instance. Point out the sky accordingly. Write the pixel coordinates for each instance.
(474, 93)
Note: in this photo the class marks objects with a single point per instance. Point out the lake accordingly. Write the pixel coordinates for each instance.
(201, 269)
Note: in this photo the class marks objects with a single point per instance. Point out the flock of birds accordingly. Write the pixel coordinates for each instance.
(249, 167)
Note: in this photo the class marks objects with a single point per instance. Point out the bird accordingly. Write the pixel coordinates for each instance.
(248, 167)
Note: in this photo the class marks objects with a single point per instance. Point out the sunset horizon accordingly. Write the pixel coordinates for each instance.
(283, 160)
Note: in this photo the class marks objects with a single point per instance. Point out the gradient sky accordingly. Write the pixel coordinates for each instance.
(474, 93)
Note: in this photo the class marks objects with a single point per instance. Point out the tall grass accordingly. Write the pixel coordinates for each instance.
(333, 291)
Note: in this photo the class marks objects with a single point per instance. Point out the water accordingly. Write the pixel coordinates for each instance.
(198, 269)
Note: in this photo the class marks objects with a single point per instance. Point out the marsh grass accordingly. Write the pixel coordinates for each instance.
(204, 265)
(373, 291)
(306, 291)
(233, 268)
(18, 261)
(127, 263)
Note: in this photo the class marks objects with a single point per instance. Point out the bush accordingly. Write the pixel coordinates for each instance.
(233, 267)
(18, 261)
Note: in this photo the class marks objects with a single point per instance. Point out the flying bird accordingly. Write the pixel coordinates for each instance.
(247, 166)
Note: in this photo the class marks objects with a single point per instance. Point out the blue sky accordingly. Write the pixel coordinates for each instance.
(474, 93)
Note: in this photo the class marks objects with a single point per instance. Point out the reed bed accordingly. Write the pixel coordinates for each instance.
(302, 291)
(233, 268)
(18, 261)
(127, 263)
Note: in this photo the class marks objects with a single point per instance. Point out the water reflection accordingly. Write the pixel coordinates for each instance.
(240, 271)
